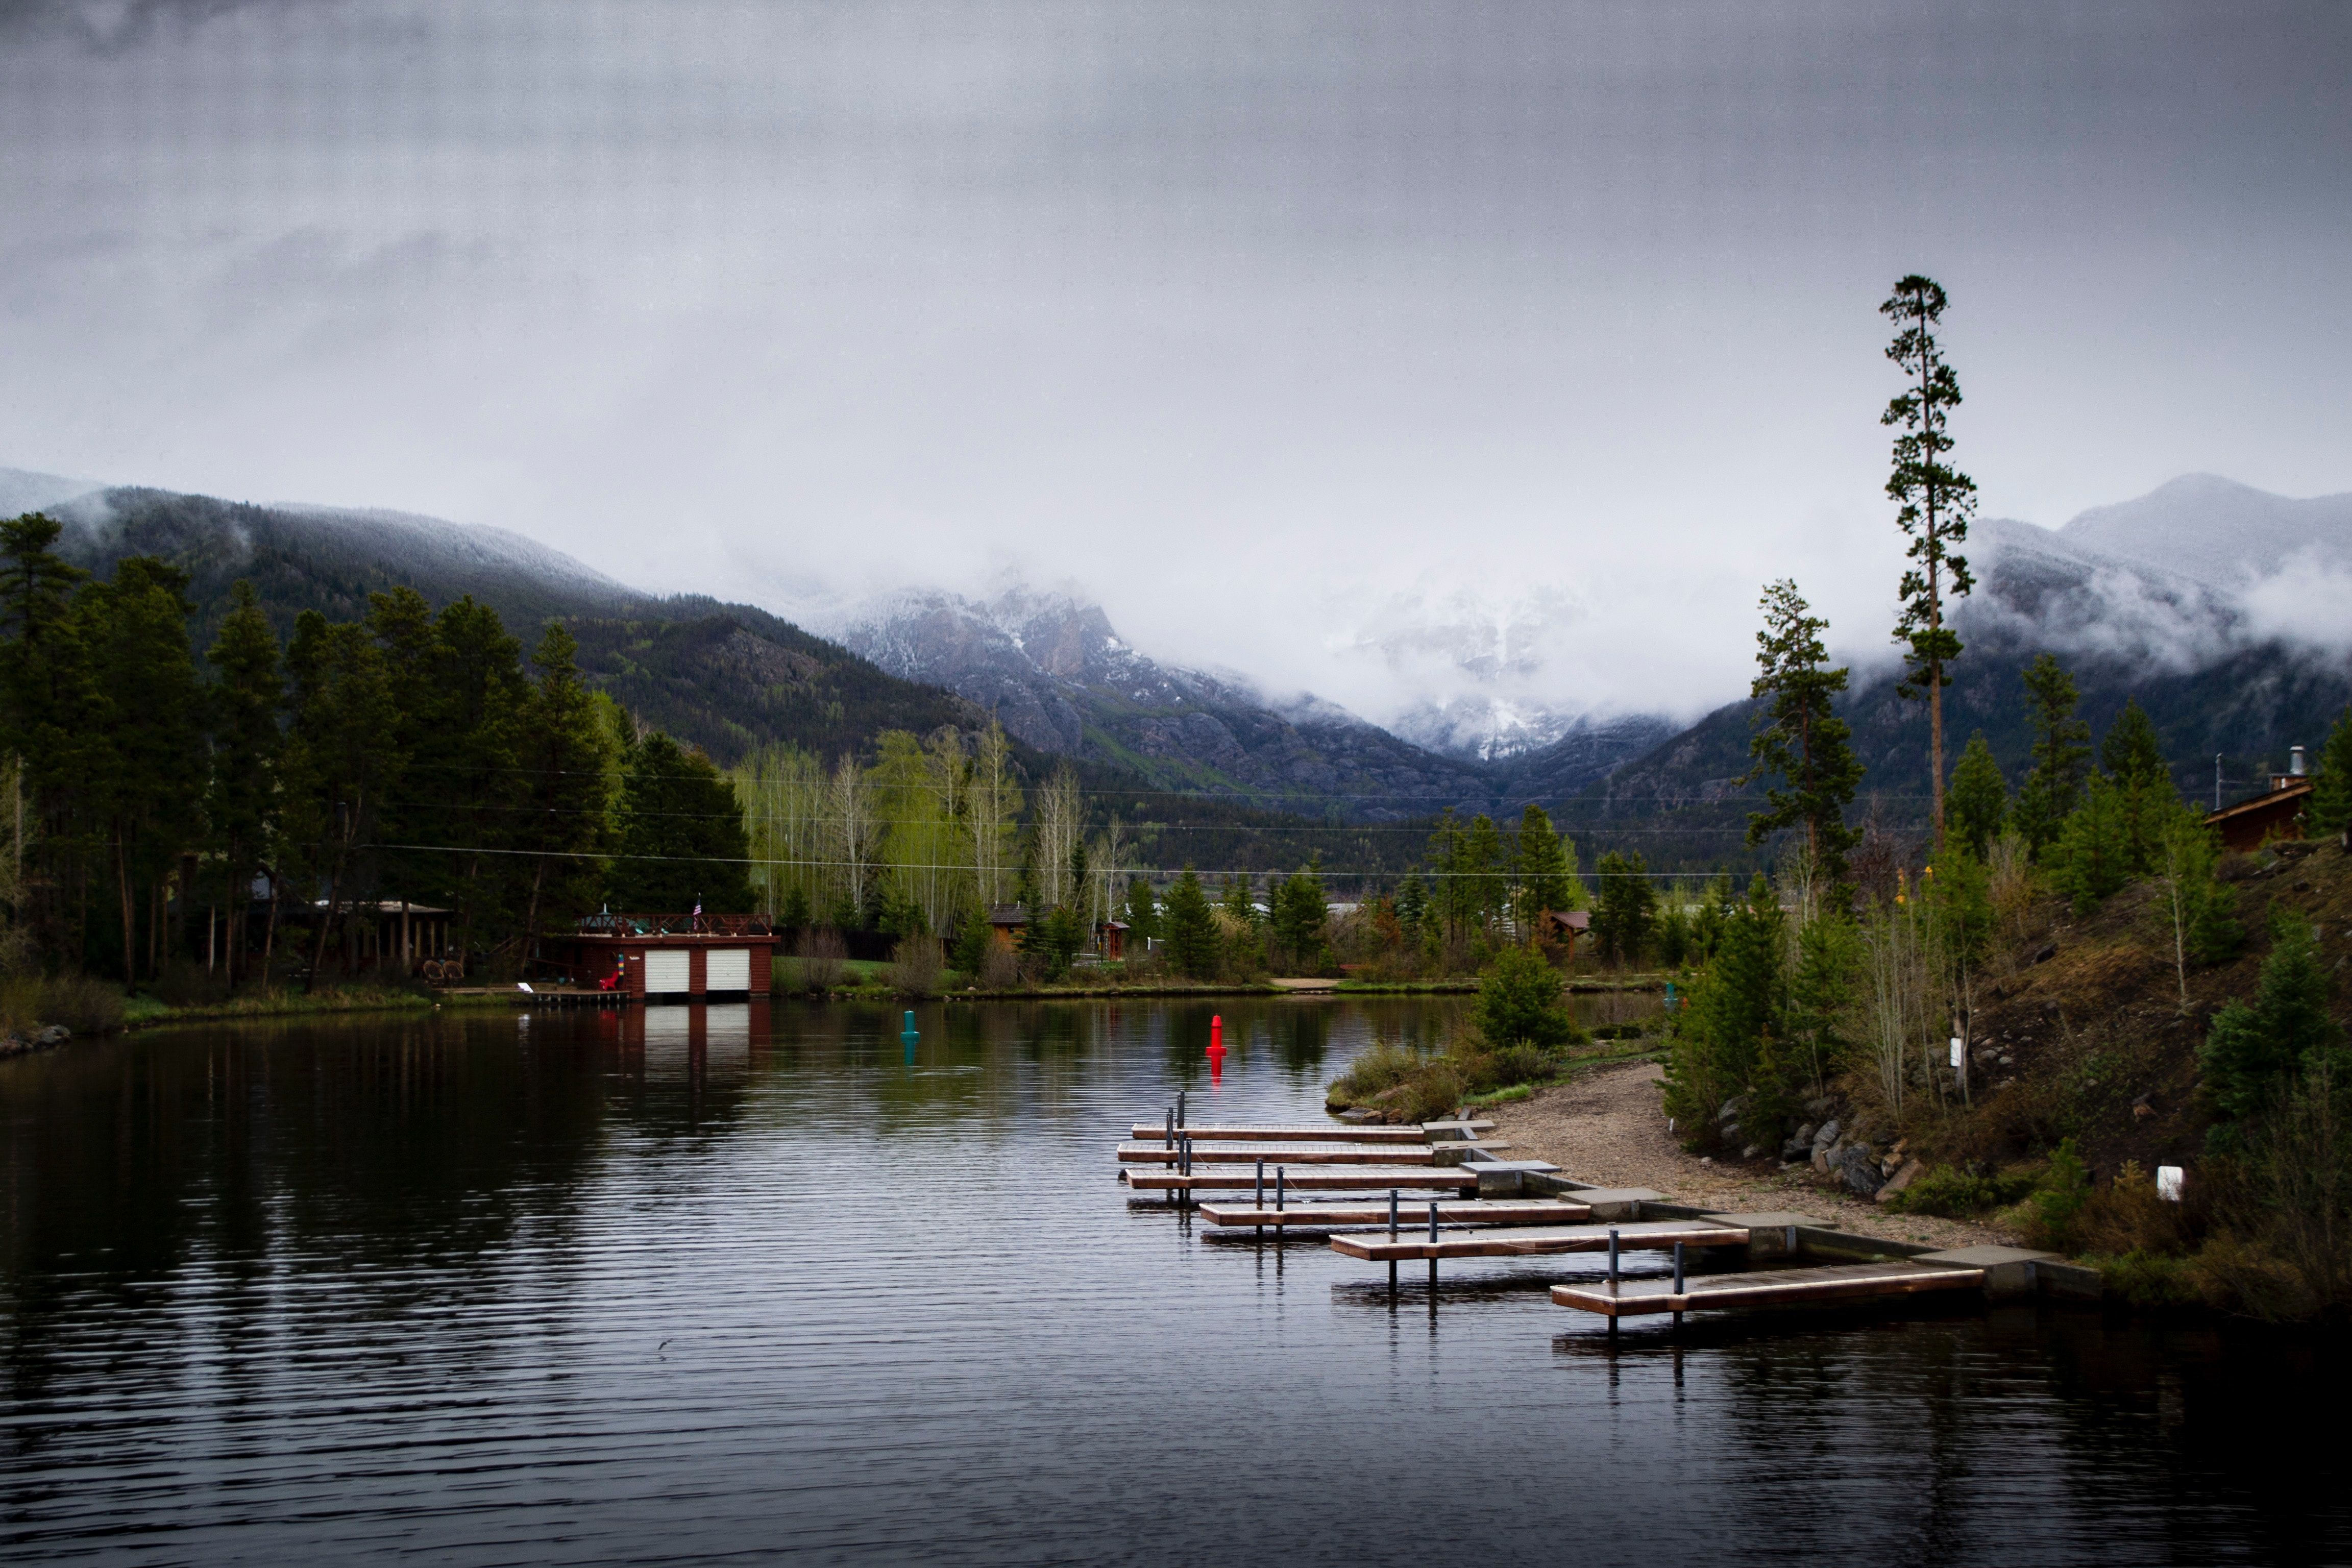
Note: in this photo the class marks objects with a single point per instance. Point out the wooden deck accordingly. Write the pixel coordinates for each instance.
(1657, 1235)
(1158, 1153)
(1498, 1211)
(1767, 1288)
(1311, 1179)
(1155, 1132)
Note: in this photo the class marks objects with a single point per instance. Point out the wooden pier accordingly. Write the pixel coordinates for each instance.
(1280, 1153)
(1311, 1179)
(1493, 1211)
(1834, 1282)
(1157, 1133)
(1655, 1236)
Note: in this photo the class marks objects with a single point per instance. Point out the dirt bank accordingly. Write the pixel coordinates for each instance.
(1606, 1127)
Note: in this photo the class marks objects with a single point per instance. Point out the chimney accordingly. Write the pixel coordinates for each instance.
(2294, 761)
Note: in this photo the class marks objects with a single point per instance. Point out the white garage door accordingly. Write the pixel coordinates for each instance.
(667, 973)
(731, 969)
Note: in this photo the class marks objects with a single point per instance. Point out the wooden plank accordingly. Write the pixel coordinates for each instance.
(1282, 1154)
(1309, 1179)
(1498, 1211)
(1154, 1133)
(1657, 1235)
(1766, 1288)
(1467, 1128)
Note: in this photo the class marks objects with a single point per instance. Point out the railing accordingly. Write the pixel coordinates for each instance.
(612, 924)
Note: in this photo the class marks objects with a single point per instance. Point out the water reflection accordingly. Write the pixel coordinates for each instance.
(677, 1284)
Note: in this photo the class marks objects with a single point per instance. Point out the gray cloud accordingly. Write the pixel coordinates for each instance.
(1256, 323)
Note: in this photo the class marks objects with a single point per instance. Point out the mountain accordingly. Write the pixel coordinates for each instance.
(1060, 677)
(2158, 600)
(22, 491)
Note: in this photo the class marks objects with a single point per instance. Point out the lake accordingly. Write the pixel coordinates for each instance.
(701, 1285)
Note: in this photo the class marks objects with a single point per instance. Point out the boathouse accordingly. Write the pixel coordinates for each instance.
(685, 956)
(1566, 926)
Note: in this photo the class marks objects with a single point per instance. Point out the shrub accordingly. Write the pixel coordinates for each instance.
(83, 1005)
(1957, 1193)
(1000, 968)
(1519, 1000)
(2049, 1216)
(822, 955)
(915, 965)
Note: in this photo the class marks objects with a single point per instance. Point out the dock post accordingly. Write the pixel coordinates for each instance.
(1678, 1279)
(1258, 1198)
(1180, 1108)
(1278, 1171)
(1171, 1134)
(1613, 1279)
(1432, 1244)
(1392, 1235)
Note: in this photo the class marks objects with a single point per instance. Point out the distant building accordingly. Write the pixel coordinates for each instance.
(2276, 813)
(1008, 923)
(1567, 925)
(682, 956)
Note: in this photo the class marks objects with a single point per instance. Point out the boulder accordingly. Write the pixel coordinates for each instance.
(1901, 1179)
(1858, 1168)
(55, 1035)
(1826, 1136)
(1750, 1152)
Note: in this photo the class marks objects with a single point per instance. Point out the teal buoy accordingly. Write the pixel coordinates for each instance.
(908, 1035)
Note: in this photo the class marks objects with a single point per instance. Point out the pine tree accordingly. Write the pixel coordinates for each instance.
(2330, 807)
(564, 759)
(682, 841)
(1806, 744)
(1547, 869)
(2132, 756)
(241, 805)
(2253, 1055)
(341, 761)
(1298, 916)
(1413, 908)
(1623, 910)
(1979, 798)
(2091, 859)
(1142, 909)
(1725, 1040)
(1191, 928)
(1936, 500)
(1519, 1001)
(2061, 754)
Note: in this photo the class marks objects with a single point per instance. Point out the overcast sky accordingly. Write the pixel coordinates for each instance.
(1282, 330)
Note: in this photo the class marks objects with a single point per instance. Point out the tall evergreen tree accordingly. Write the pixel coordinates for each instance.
(2253, 1055)
(1980, 799)
(2132, 756)
(2331, 784)
(564, 760)
(145, 730)
(342, 761)
(2061, 752)
(682, 840)
(1935, 500)
(1191, 928)
(1805, 743)
(241, 803)
(1623, 910)
(44, 696)
(1547, 869)
(1298, 916)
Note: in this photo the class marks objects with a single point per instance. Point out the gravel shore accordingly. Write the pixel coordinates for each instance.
(1606, 1127)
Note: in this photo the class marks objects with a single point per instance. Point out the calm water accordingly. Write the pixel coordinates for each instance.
(731, 1284)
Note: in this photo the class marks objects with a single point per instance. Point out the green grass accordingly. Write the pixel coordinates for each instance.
(142, 1011)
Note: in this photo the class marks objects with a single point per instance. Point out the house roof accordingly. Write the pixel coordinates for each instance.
(1007, 915)
(1572, 919)
(2264, 802)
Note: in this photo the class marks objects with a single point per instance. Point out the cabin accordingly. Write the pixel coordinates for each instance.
(1110, 941)
(382, 930)
(2277, 813)
(1009, 924)
(1565, 926)
(685, 957)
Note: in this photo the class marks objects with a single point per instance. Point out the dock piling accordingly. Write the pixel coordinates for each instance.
(1392, 1235)
(1432, 1236)
(1257, 1196)
(1678, 1279)
(1278, 1182)
(1180, 1108)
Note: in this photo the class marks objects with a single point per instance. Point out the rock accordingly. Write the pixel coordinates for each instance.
(1706, 1159)
(1820, 1107)
(1820, 1160)
(1750, 1152)
(2048, 951)
(1826, 1136)
(1803, 1135)
(1729, 1130)
(1861, 1172)
(55, 1035)
(1728, 1110)
(1795, 1150)
(1901, 1179)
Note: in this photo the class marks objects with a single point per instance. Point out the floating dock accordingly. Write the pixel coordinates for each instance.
(1312, 1179)
(1279, 1154)
(1655, 1236)
(1500, 1211)
(1835, 1282)
(1157, 1133)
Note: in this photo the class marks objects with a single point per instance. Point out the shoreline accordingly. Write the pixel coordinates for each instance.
(1606, 1126)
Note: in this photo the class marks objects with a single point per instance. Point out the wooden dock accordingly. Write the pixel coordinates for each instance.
(1311, 1179)
(1157, 1133)
(1156, 1153)
(1657, 1235)
(1495, 1211)
(1767, 1288)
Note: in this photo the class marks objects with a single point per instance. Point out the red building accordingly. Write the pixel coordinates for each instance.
(684, 956)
